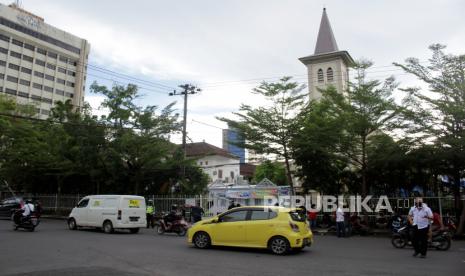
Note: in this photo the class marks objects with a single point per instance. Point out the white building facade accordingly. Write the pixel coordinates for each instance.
(40, 64)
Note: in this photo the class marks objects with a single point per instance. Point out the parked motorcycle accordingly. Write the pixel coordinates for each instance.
(178, 226)
(441, 239)
(27, 223)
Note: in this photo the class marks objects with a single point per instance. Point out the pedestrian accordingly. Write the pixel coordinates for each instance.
(197, 212)
(150, 211)
(420, 216)
(340, 225)
(312, 215)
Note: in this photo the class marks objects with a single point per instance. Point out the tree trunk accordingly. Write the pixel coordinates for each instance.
(364, 168)
(288, 170)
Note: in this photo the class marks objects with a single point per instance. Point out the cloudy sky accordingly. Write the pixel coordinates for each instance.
(217, 45)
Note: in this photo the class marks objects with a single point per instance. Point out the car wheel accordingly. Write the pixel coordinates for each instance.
(108, 227)
(134, 230)
(202, 240)
(279, 245)
(72, 224)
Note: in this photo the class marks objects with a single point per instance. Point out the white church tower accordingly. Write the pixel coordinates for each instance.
(327, 66)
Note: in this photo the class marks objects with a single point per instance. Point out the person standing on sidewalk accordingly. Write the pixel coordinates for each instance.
(150, 213)
(340, 226)
(419, 217)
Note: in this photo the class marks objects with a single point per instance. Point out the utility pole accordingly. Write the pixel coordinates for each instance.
(188, 89)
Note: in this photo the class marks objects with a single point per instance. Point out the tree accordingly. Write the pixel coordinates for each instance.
(440, 114)
(269, 129)
(274, 171)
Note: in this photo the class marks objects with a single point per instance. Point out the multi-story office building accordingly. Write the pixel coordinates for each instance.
(231, 136)
(40, 64)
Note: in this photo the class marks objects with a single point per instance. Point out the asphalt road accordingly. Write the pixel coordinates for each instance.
(55, 250)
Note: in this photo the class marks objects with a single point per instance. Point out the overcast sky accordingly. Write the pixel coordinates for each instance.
(211, 43)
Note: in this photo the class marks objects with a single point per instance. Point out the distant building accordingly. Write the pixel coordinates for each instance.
(231, 135)
(218, 163)
(40, 64)
(328, 65)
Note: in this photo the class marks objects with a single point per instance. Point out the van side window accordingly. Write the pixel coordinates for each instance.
(83, 203)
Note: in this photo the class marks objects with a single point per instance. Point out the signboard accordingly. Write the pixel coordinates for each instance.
(134, 203)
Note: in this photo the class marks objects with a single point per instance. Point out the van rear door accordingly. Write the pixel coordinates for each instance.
(133, 210)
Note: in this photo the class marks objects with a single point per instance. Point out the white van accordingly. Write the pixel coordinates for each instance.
(109, 212)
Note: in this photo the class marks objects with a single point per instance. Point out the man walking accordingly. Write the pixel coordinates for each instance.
(340, 226)
(419, 217)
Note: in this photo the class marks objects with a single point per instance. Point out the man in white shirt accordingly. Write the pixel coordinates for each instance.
(420, 216)
(27, 208)
(340, 227)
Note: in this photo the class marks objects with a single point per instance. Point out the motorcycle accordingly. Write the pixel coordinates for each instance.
(178, 226)
(27, 223)
(441, 239)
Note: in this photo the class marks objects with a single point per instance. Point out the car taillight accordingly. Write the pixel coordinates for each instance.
(119, 214)
(294, 227)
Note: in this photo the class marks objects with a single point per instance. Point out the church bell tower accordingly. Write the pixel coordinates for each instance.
(328, 65)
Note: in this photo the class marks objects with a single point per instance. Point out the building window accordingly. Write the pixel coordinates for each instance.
(41, 51)
(70, 95)
(59, 92)
(23, 94)
(10, 91)
(71, 73)
(63, 59)
(50, 78)
(13, 66)
(38, 74)
(321, 77)
(35, 98)
(220, 174)
(15, 54)
(46, 100)
(28, 58)
(206, 163)
(61, 81)
(12, 79)
(4, 38)
(45, 112)
(52, 55)
(201, 163)
(2, 63)
(17, 42)
(24, 82)
(232, 175)
(40, 62)
(2, 76)
(48, 89)
(26, 70)
(72, 62)
(70, 84)
(62, 70)
(29, 46)
(3, 50)
(329, 74)
(37, 86)
(51, 66)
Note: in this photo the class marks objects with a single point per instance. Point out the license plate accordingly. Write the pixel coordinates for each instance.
(133, 218)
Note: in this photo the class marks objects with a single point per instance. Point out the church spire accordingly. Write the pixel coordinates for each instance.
(326, 43)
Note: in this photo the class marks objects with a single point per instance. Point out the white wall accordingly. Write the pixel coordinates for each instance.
(212, 165)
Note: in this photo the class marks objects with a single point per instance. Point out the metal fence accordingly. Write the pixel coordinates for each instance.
(62, 204)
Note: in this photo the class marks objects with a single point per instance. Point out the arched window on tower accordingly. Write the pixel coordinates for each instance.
(329, 74)
(321, 77)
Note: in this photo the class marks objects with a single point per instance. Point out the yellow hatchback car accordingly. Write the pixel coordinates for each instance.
(277, 228)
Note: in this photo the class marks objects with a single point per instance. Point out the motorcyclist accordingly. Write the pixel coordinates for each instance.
(27, 208)
(172, 216)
